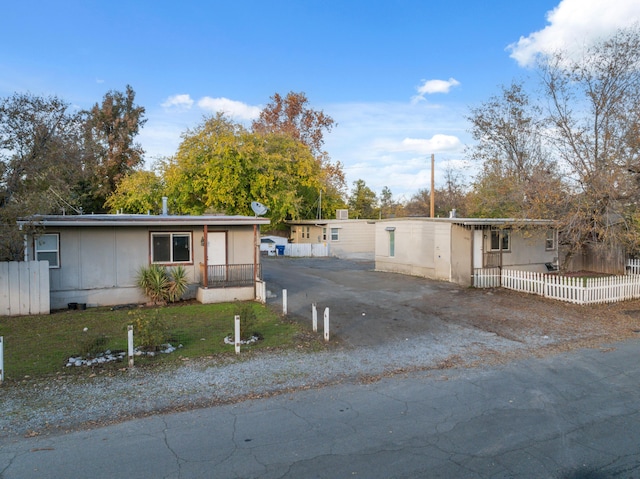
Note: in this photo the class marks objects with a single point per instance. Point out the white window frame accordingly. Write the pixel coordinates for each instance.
(335, 234)
(37, 250)
(550, 240)
(172, 235)
(502, 234)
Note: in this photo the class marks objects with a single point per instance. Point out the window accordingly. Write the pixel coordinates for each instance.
(550, 242)
(48, 248)
(324, 234)
(500, 240)
(308, 233)
(171, 247)
(335, 234)
(392, 243)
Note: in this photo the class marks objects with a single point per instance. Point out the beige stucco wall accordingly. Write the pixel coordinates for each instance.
(98, 265)
(421, 248)
(356, 238)
(443, 250)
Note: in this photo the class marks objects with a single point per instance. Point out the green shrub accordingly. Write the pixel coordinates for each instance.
(150, 331)
(92, 345)
(248, 321)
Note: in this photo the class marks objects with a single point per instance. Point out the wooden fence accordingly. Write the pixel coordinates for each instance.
(24, 288)
(578, 290)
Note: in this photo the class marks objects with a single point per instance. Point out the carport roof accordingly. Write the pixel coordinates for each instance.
(141, 220)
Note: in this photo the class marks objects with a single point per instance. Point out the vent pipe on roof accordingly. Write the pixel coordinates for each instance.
(164, 206)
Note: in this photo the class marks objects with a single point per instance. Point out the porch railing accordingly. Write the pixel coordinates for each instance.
(230, 275)
(492, 259)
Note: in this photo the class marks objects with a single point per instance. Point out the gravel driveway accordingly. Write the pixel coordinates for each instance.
(382, 324)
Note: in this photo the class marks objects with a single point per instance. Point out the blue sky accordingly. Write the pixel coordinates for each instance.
(398, 77)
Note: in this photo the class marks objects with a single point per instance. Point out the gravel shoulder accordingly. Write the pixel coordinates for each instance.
(452, 327)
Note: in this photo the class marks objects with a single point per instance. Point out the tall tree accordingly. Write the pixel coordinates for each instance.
(595, 124)
(293, 117)
(111, 128)
(40, 159)
(518, 178)
(363, 202)
(221, 167)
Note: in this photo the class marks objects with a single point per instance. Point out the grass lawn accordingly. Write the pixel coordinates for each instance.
(40, 345)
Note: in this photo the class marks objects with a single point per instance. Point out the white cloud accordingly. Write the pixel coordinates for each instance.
(430, 87)
(179, 101)
(233, 108)
(574, 25)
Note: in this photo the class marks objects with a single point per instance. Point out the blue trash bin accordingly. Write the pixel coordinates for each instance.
(280, 249)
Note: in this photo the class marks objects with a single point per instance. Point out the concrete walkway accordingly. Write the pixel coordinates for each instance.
(574, 415)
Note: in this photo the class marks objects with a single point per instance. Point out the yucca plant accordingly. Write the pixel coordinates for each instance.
(177, 283)
(161, 285)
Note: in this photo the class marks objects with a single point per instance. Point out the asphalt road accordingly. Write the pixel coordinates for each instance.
(569, 416)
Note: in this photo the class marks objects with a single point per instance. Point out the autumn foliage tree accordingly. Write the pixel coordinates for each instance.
(111, 150)
(293, 117)
(221, 167)
(40, 161)
(573, 153)
(594, 120)
(518, 178)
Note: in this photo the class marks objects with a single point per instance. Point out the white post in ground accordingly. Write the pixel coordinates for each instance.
(326, 324)
(130, 344)
(1, 359)
(284, 302)
(237, 330)
(314, 317)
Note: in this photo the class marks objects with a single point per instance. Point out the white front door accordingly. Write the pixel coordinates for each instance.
(217, 248)
(217, 254)
(478, 238)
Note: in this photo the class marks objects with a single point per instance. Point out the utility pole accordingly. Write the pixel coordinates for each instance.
(433, 194)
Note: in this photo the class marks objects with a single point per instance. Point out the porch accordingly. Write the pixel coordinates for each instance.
(231, 282)
(229, 275)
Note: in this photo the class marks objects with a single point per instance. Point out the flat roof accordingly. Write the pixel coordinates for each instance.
(476, 221)
(142, 220)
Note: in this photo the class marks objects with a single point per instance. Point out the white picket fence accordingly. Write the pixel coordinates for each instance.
(306, 249)
(578, 290)
(633, 266)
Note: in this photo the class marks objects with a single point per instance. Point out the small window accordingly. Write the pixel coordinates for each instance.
(324, 234)
(506, 240)
(550, 242)
(335, 234)
(392, 243)
(171, 247)
(308, 232)
(48, 248)
(495, 240)
(500, 240)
